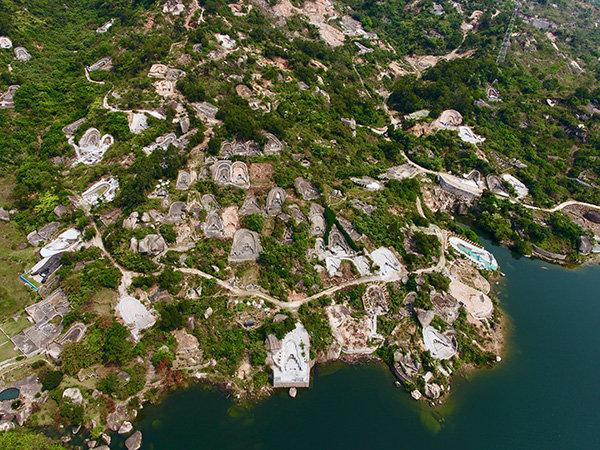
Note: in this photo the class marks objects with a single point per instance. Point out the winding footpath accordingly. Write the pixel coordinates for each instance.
(556, 208)
(127, 276)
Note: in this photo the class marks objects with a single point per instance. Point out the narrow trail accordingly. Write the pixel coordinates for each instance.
(556, 208)
(111, 108)
(194, 6)
(87, 77)
(127, 276)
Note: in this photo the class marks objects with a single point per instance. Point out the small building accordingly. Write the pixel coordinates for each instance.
(45, 267)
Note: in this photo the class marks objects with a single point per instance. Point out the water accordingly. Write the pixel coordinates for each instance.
(9, 394)
(545, 394)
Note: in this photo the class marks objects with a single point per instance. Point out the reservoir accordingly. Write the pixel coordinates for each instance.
(544, 394)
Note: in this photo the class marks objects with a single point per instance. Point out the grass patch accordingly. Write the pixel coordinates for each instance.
(103, 302)
(7, 350)
(12, 326)
(14, 295)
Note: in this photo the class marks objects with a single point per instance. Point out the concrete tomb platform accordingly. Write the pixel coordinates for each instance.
(448, 119)
(22, 54)
(7, 99)
(135, 315)
(317, 219)
(466, 134)
(68, 240)
(462, 188)
(5, 43)
(306, 190)
(234, 173)
(250, 206)
(102, 64)
(38, 337)
(165, 88)
(138, 122)
(337, 244)
(92, 146)
(386, 262)
(151, 244)
(73, 334)
(273, 145)
(492, 94)
(297, 214)
(173, 7)
(275, 200)
(479, 306)
(445, 306)
(376, 300)
(370, 184)
(226, 41)
(362, 206)
(56, 304)
(440, 345)
(163, 142)
(209, 203)
(162, 71)
(479, 256)
(205, 110)
(213, 226)
(517, 185)
(185, 180)
(289, 358)
(237, 148)
(246, 246)
(43, 234)
(104, 28)
(71, 128)
(177, 212)
(101, 191)
(354, 335)
(348, 227)
(496, 186)
(405, 365)
(400, 172)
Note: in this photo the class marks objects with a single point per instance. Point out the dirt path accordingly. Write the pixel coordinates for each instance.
(194, 6)
(87, 77)
(128, 275)
(558, 207)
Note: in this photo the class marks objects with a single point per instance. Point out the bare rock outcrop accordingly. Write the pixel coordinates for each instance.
(134, 442)
(152, 244)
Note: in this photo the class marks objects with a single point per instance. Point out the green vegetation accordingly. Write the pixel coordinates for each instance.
(286, 263)
(466, 335)
(109, 344)
(315, 321)
(51, 379)
(510, 223)
(27, 440)
(280, 78)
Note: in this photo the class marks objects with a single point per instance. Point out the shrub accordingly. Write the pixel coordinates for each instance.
(51, 379)
(170, 280)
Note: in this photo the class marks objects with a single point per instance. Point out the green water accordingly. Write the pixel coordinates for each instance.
(544, 395)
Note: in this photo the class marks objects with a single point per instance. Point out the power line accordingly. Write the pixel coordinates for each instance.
(506, 41)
